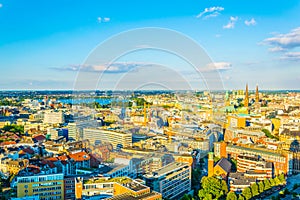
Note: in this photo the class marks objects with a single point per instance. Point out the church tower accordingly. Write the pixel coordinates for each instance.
(256, 95)
(210, 164)
(246, 100)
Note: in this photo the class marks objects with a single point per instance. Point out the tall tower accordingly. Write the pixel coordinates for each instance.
(256, 95)
(246, 100)
(210, 164)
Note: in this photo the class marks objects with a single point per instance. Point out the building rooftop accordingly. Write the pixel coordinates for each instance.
(256, 150)
(168, 168)
(129, 197)
(80, 156)
(224, 164)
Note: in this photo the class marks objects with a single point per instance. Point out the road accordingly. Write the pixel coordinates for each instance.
(289, 185)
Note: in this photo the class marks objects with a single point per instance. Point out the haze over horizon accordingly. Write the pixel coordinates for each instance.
(44, 44)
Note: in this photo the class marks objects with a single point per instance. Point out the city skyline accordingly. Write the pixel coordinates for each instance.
(44, 44)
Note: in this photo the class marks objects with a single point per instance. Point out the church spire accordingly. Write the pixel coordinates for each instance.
(246, 100)
(256, 95)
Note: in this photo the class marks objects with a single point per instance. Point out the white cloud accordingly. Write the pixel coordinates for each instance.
(292, 56)
(210, 12)
(285, 41)
(217, 66)
(251, 22)
(231, 23)
(276, 49)
(1, 5)
(103, 19)
(106, 19)
(117, 67)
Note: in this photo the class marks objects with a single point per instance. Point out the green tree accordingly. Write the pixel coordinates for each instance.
(267, 184)
(187, 197)
(281, 178)
(261, 187)
(231, 196)
(272, 182)
(214, 186)
(277, 181)
(241, 197)
(14, 128)
(205, 196)
(269, 134)
(254, 189)
(247, 193)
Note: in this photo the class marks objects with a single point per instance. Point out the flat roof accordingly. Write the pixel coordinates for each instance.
(168, 168)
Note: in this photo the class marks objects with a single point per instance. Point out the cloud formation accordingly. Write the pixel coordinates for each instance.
(1, 5)
(114, 68)
(210, 12)
(251, 22)
(292, 56)
(217, 66)
(284, 41)
(231, 23)
(103, 19)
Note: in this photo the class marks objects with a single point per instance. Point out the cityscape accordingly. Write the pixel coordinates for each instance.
(149, 100)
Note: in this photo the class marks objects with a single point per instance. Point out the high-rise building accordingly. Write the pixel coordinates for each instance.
(172, 180)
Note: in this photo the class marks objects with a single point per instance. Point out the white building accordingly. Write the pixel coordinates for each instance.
(97, 136)
(53, 117)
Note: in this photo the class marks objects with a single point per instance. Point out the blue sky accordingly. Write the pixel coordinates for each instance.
(43, 44)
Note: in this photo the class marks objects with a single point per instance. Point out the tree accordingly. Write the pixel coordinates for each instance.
(247, 193)
(241, 197)
(277, 181)
(254, 189)
(214, 186)
(267, 184)
(269, 134)
(281, 178)
(272, 182)
(231, 196)
(203, 195)
(261, 187)
(187, 197)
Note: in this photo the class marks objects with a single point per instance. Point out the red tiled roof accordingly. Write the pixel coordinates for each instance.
(62, 157)
(49, 163)
(39, 137)
(8, 143)
(80, 156)
(28, 150)
(53, 159)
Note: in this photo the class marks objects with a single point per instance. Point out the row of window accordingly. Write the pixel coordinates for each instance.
(46, 189)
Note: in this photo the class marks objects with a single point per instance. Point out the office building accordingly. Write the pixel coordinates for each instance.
(98, 136)
(172, 180)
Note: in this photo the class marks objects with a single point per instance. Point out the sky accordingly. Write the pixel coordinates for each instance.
(55, 44)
